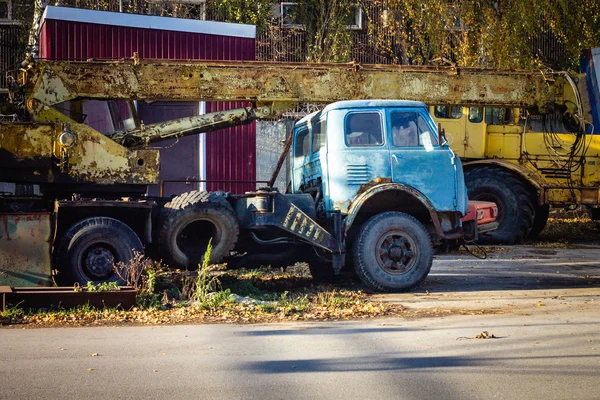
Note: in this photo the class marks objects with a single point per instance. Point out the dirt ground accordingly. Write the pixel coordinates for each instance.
(513, 279)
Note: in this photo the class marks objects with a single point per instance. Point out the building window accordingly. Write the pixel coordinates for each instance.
(5, 10)
(289, 15)
(354, 19)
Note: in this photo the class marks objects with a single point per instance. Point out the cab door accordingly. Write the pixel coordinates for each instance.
(453, 120)
(417, 160)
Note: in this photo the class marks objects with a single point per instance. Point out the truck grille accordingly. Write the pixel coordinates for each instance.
(358, 174)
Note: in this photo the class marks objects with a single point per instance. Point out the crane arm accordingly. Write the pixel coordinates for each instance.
(282, 85)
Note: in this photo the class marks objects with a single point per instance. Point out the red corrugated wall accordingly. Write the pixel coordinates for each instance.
(230, 153)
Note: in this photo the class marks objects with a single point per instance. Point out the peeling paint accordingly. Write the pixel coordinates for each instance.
(280, 82)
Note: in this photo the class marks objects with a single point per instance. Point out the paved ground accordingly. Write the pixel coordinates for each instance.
(547, 355)
(514, 279)
(547, 345)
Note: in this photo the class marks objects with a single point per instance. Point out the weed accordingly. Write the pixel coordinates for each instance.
(198, 288)
(142, 274)
(267, 308)
(216, 300)
(293, 304)
(102, 287)
(11, 315)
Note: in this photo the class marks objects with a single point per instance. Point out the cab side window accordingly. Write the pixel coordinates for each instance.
(363, 129)
(302, 147)
(451, 112)
(319, 131)
(498, 116)
(475, 114)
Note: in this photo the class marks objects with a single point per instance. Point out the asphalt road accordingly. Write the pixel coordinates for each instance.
(543, 356)
(547, 345)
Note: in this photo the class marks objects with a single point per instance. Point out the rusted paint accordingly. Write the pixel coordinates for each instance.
(92, 158)
(268, 83)
(373, 188)
(185, 127)
(25, 253)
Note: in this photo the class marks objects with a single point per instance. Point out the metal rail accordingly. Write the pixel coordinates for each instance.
(66, 297)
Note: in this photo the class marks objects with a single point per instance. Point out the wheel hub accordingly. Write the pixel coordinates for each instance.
(396, 253)
(100, 262)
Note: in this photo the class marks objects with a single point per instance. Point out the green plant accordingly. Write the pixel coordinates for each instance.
(293, 304)
(199, 287)
(101, 287)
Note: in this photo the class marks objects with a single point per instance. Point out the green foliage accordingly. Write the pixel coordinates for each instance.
(101, 287)
(291, 304)
(216, 300)
(508, 34)
(199, 288)
(325, 21)
(11, 315)
(481, 33)
(255, 12)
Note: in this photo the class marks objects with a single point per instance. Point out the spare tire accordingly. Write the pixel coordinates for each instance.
(189, 221)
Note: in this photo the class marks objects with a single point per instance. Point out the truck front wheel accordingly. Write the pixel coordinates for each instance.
(90, 249)
(392, 252)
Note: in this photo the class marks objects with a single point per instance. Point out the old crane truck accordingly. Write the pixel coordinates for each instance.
(371, 180)
(538, 152)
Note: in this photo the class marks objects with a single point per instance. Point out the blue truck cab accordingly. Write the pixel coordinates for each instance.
(398, 188)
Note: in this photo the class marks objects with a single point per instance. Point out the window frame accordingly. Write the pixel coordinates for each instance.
(381, 128)
(283, 15)
(448, 112)
(419, 118)
(481, 115)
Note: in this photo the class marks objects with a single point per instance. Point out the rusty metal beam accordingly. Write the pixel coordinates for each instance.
(283, 84)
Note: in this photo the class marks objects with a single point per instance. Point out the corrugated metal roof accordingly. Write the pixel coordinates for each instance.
(149, 22)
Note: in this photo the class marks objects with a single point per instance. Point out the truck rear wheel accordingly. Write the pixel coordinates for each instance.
(539, 223)
(90, 249)
(392, 252)
(514, 201)
(189, 222)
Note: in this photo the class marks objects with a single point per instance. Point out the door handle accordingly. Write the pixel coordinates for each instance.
(396, 157)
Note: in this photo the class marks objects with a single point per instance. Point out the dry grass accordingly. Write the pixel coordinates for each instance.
(565, 227)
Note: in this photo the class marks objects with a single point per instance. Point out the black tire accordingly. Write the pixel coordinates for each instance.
(189, 221)
(514, 201)
(392, 252)
(539, 222)
(89, 250)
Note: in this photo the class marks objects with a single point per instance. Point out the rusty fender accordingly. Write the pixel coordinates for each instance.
(373, 190)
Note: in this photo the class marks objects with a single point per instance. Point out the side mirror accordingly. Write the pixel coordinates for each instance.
(441, 135)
